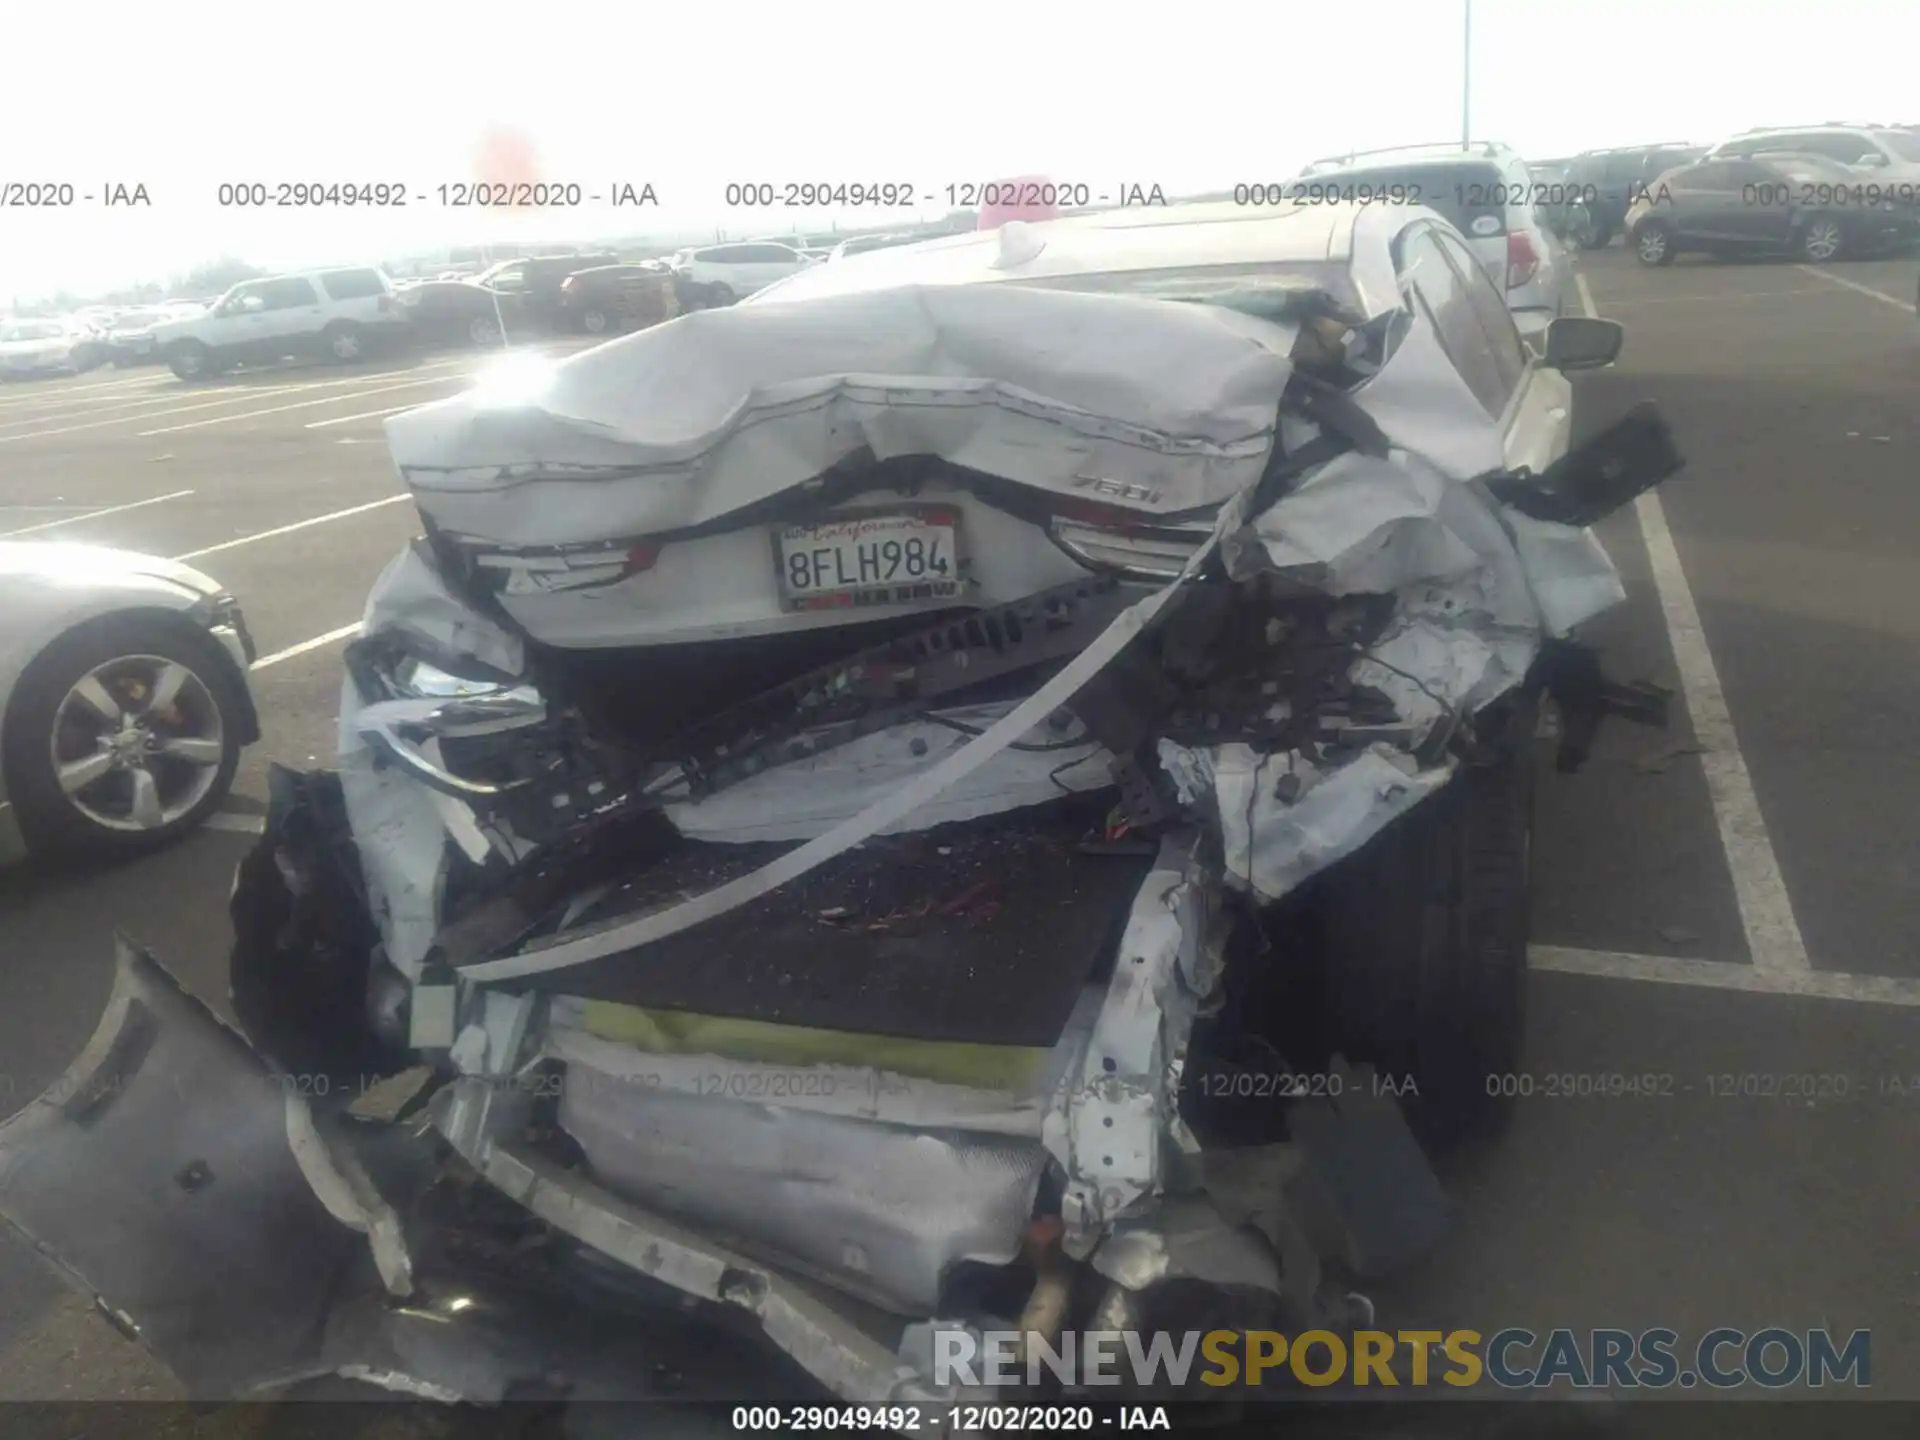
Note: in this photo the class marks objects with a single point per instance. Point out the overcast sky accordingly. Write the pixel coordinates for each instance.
(183, 96)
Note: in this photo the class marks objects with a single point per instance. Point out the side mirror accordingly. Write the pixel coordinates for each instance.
(1578, 342)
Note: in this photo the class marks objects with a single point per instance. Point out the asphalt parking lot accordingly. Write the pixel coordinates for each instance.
(1730, 899)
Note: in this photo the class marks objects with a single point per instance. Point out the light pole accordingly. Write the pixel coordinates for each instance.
(1466, 79)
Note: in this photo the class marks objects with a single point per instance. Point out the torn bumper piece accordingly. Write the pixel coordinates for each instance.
(162, 1176)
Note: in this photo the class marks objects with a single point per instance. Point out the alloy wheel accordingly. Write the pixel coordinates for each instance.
(1823, 240)
(137, 743)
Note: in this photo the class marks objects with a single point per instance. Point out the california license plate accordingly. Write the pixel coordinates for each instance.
(869, 560)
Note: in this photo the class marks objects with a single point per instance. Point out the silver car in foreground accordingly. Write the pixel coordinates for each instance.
(842, 819)
(123, 698)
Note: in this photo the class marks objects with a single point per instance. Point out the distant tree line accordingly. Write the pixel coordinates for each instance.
(211, 278)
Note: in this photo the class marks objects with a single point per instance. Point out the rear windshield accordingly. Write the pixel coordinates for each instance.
(1464, 193)
(354, 284)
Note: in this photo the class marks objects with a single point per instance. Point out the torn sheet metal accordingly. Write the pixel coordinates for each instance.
(1421, 403)
(820, 1337)
(1040, 387)
(886, 1212)
(1114, 1112)
(1572, 575)
(1274, 836)
(805, 797)
(158, 1175)
(412, 599)
(401, 829)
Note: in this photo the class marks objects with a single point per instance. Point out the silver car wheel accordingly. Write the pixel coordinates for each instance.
(1653, 246)
(137, 743)
(483, 330)
(594, 321)
(1823, 240)
(345, 345)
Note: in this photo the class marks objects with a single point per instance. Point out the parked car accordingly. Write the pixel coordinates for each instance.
(861, 244)
(1607, 182)
(1802, 205)
(607, 298)
(341, 315)
(1888, 154)
(530, 285)
(129, 336)
(722, 274)
(38, 348)
(460, 312)
(123, 698)
(1487, 193)
(837, 779)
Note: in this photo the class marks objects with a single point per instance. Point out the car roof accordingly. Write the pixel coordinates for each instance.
(1193, 236)
(1143, 238)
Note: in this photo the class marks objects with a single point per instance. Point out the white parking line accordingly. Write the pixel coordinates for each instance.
(363, 415)
(1766, 910)
(239, 395)
(1882, 296)
(1725, 975)
(1715, 299)
(305, 645)
(289, 529)
(38, 396)
(94, 514)
(299, 405)
(172, 397)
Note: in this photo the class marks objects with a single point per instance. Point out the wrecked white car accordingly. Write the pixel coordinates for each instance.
(970, 792)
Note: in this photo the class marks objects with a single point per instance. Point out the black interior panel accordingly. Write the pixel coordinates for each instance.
(983, 932)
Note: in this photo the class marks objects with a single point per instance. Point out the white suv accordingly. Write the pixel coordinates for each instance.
(340, 314)
(721, 274)
(1892, 154)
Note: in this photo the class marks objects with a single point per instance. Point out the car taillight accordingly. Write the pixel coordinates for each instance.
(1522, 260)
(1105, 537)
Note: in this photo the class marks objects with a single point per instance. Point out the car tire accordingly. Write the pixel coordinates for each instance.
(191, 360)
(1822, 240)
(56, 735)
(344, 343)
(719, 295)
(1590, 232)
(595, 321)
(1423, 936)
(484, 330)
(1654, 243)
